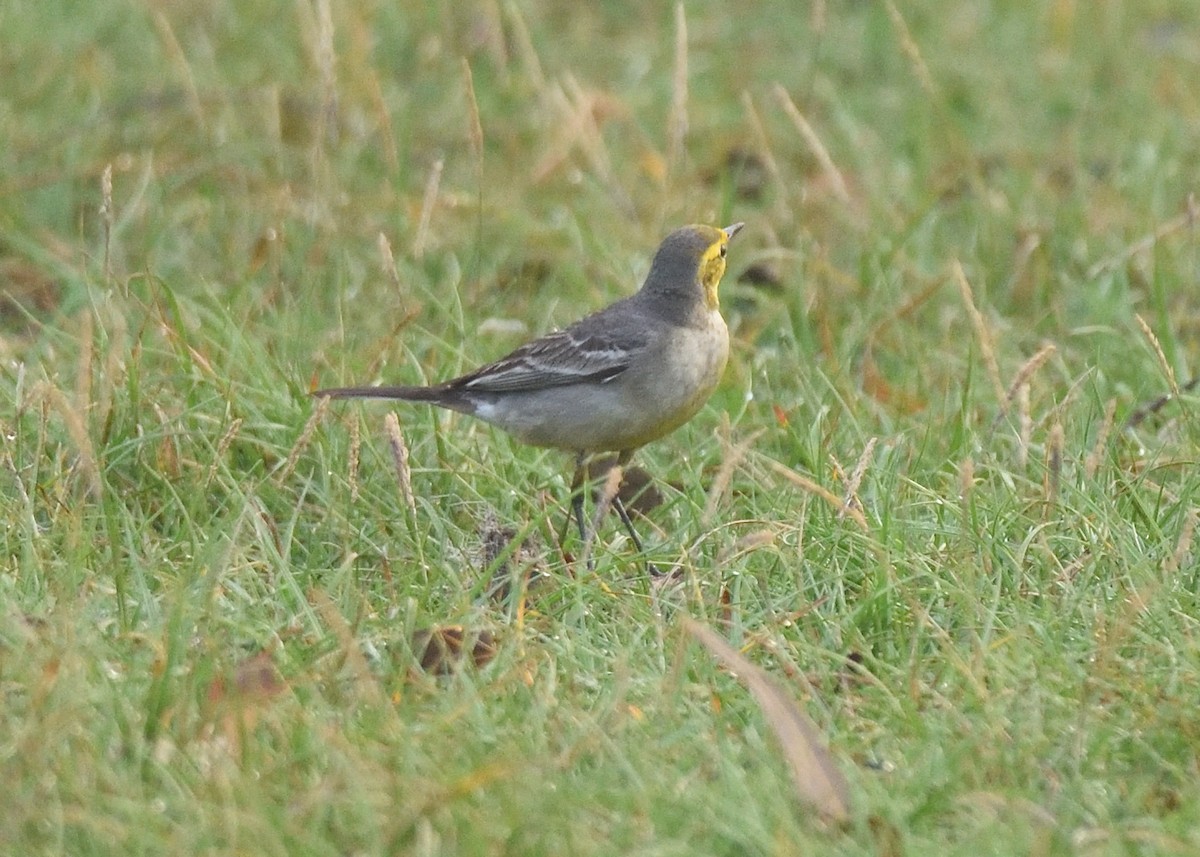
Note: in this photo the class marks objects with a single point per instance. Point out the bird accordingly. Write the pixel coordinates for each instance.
(613, 381)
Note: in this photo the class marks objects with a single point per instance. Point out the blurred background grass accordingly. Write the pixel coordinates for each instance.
(1003, 657)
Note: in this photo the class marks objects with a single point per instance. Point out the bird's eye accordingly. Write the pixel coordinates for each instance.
(724, 250)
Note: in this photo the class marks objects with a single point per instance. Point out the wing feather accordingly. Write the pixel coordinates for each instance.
(585, 352)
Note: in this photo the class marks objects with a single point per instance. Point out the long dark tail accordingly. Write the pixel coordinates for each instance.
(436, 394)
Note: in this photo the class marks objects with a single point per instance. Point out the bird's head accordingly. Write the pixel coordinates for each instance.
(691, 257)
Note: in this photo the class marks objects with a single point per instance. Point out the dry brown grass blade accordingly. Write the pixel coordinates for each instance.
(306, 434)
(909, 45)
(1163, 365)
(1175, 224)
(604, 501)
(525, 49)
(850, 499)
(106, 215)
(677, 122)
(388, 260)
(89, 468)
(352, 657)
(1026, 372)
(731, 459)
(327, 66)
(981, 332)
(384, 123)
(352, 459)
(222, 448)
(175, 52)
(832, 173)
(428, 203)
(1054, 462)
(1092, 463)
(400, 459)
(475, 127)
(821, 491)
(818, 780)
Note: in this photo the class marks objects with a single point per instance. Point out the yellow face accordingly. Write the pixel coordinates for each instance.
(712, 265)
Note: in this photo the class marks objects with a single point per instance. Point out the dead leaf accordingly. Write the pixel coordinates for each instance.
(236, 700)
(441, 650)
(818, 780)
(637, 490)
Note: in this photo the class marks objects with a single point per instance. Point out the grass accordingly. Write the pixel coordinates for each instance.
(208, 596)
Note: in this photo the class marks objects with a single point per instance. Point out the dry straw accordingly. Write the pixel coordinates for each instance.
(982, 334)
(731, 458)
(231, 432)
(428, 203)
(1092, 462)
(352, 463)
(677, 121)
(811, 487)
(1163, 365)
(832, 173)
(400, 459)
(850, 501)
(388, 260)
(525, 49)
(305, 438)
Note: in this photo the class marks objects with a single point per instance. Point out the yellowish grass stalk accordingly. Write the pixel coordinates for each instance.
(106, 215)
(400, 459)
(762, 144)
(749, 542)
(1054, 462)
(677, 121)
(732, 457)
(832, 173)
(383, 119)
(177, 57)
(1163, 365)
(222, 448)
(818, 14)
(166, 457)
(966, 479)
(1186, 220)
(85, 365)
(909, 46)
(525, 49)
(820, 491)
(1092, 462)
(982, 334)
(326, 67)
(818, 780)
(352, 462)
(491, 27)
(388, 260)
(1024, 425)
(474, 126)
(350, 652)
(428, 204)
(305, 437)
(88, 467)
(850, 501)
(1026, 372)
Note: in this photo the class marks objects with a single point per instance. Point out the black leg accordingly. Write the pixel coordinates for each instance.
(577, 489)
(628, 522)
(623, 514)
